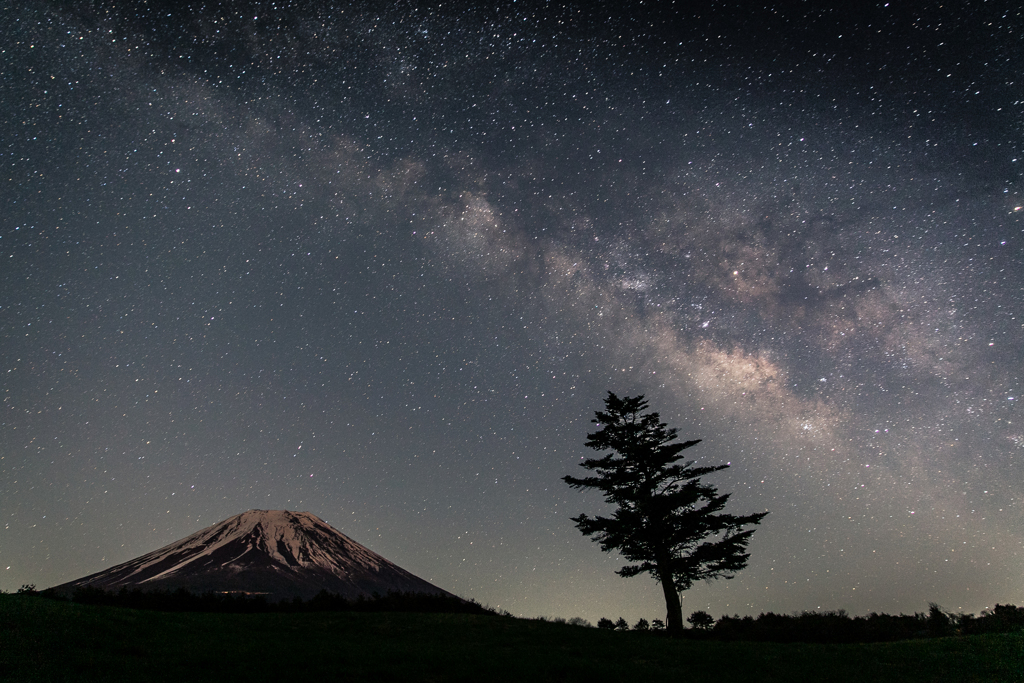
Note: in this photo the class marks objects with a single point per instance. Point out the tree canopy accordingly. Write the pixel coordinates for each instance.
(667, 522)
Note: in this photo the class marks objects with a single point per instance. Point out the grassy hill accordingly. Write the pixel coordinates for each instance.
(46, 640)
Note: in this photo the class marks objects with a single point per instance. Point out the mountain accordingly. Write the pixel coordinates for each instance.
(275, 552)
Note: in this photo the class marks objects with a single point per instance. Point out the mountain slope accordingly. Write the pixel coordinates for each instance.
(280, 553)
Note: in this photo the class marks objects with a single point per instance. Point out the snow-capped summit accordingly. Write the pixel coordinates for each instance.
(280, 553)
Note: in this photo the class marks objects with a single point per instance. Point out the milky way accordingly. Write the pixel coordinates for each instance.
(383, 264)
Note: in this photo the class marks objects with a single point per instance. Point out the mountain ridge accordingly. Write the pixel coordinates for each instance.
(280, 553)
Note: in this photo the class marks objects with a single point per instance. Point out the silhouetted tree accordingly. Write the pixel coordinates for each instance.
(642, 625)
(701, 619)
(605, 622)
(666, 522)
(1001, 619)
(622, 624)
(939, 623)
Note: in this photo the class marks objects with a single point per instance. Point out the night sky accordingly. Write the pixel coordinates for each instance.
(382, 262)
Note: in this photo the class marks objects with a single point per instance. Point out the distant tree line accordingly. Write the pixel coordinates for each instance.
(806, 627)
(182, 600)
(838, 626)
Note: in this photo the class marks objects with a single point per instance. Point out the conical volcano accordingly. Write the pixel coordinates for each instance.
(275, 552)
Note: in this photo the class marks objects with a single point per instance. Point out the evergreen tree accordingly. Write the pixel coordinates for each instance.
(667, 522)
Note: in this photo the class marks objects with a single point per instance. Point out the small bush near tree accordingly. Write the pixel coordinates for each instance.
(939, 623)
(701, 619)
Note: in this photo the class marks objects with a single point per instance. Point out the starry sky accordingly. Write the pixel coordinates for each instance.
(382, 262)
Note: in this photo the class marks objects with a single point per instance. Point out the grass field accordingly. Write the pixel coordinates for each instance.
(45, 640)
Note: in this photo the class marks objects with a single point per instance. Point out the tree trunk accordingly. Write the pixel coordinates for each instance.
(674, 618)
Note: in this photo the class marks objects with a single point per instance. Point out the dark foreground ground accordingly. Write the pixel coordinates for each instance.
(47, 640)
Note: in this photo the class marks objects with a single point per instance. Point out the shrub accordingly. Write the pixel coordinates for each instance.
(939, 623)
(701, 619)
